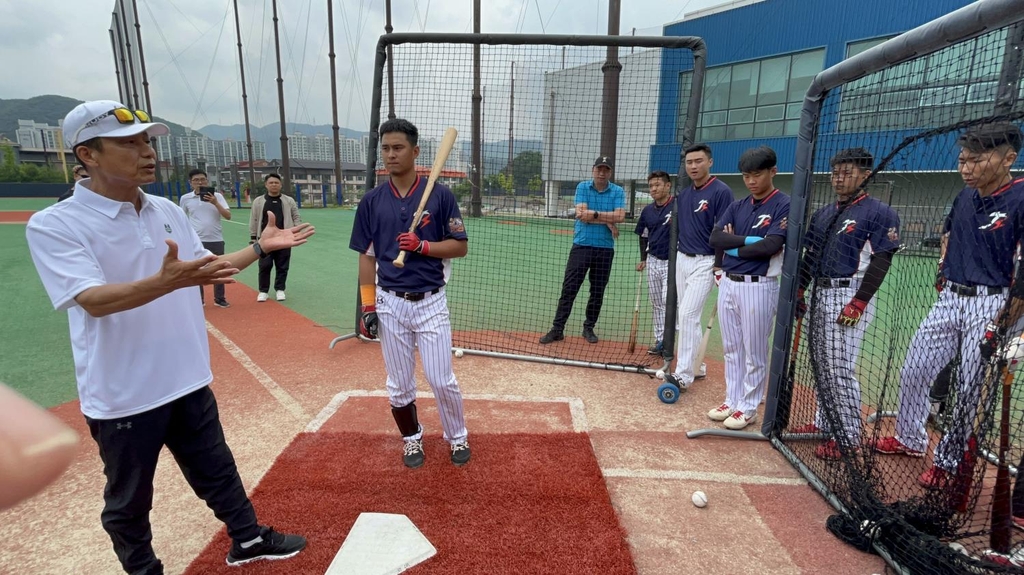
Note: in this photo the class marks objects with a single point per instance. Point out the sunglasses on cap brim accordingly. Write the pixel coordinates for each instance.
(123, 116)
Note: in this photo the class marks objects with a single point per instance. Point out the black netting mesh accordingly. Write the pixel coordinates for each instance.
(911, 368)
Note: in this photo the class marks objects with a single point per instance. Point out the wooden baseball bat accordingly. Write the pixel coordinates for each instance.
(1002, 514)
(636, 315)
(447, 142)
(703, 348)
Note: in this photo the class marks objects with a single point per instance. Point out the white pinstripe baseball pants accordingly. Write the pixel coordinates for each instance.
(745, 313)
(426, 325)
(694, 278)
(657, 285)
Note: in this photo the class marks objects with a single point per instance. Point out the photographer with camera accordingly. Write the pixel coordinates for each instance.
(205, 207)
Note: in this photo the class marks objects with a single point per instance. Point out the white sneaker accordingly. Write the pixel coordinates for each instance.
(261, 297)
(280, 295)
(720, 413)
(739, 420)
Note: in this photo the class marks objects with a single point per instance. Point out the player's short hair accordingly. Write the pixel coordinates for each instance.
(272, 175)
(991, 136)
(660, 175)
(197, 172)
(757, 159)
(404, 126)
(701, 147)
(859, 157)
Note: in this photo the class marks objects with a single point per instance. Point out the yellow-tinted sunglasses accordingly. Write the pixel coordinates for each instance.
(123, 116)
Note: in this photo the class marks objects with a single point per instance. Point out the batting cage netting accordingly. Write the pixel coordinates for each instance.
(893, 394)
(545, 105)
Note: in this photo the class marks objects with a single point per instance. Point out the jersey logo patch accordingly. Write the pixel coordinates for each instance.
(894, 235)
(998, 220)
(702, 206)
(456, 226)
(668, 219)
(848, 227)
(424, 219)
(763, 221)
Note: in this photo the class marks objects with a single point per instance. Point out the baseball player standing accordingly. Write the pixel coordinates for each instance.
(410, 302)
(982, 234)
(752, 235)
(850, 245)
(653, 228)
(699, 206)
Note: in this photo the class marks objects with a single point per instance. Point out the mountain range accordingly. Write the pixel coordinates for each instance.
(50, 110)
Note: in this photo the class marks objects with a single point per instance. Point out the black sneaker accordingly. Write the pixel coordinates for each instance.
(460, 453)
(553, 335)
(657, 349)
(413, 456)
(273, 546)
(589, 335)
(221, 303)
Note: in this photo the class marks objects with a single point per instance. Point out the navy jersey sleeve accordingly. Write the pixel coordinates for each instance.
(727, 216)
(454, 227)
(885, 237)
(947, 225)
(779, 216)
(722, 200)
(362, 229)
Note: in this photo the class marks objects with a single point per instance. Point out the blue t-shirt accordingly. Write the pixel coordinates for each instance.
(654, 224)
(762, 219)
(699, 209)
(592, 233)
(983, 236)
(863, 227)
(383, 214)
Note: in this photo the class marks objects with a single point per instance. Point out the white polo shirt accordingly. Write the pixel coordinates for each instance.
(136, 360)
(204, 216)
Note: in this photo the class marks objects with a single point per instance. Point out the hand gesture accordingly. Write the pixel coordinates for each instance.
(274, 238)
(205, 270)
(727, 229)
(641, 266)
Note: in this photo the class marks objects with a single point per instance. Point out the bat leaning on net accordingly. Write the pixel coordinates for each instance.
(699, 358)
(442, 156)
(636, 316)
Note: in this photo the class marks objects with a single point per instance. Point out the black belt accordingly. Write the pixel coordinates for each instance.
(971, 291)
(695, 255)
(834, 282)
(746, 279)
(412, 296)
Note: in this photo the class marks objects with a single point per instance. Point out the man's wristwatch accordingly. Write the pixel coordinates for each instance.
(258, 249)
(595, 214)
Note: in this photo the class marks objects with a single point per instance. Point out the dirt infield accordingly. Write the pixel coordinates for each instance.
(15, 217)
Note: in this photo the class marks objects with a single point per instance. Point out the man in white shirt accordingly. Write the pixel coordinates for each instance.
(109, 256)
(205, 207)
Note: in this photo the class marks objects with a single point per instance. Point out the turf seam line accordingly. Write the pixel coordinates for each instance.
(282, 396)
(701, 476)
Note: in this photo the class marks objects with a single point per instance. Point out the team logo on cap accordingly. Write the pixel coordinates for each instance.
(456, 226)
(702, 206)
(763, 221)
(848, 227)
(998, 220)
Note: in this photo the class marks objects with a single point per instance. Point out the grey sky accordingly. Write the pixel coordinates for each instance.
(62, 47)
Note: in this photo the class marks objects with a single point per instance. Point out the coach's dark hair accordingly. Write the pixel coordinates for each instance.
(272, 175)
(661, 175)
(859, 157)
(991, 136)
(403, 126)
(196, 172)
(701, 147)
(757, 159)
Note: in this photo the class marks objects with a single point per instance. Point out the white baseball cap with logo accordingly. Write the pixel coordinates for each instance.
(107, 119)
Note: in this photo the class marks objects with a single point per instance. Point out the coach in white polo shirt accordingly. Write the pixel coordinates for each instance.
(109, 256)
(205, 208)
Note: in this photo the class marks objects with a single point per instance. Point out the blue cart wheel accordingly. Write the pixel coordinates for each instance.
(668, 393)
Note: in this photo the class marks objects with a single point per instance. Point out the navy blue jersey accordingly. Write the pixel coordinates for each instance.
(653, 224)
(983, 236)
(383, 214)
(699, 209)
(764, 218)
(843, 243)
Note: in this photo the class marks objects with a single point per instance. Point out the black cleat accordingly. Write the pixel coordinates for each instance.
(589, 335)
(221, 303)
(553, 335)
(460, 453)
(273, 546)
(413, 456)
(657, 349)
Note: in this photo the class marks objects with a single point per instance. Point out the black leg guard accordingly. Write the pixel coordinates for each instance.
(405, 417)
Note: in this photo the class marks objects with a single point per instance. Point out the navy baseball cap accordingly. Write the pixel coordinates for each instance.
(604, 161)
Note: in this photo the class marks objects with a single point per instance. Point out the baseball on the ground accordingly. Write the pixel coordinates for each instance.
(699, 499)
(660, 374)
(458, 353)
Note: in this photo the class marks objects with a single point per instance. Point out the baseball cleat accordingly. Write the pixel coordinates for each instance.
(413, 456)
(272, 545)
(702, 373)
(738, 420)
(460, 453)
(589, 335)
(720, 413)
(892, 446)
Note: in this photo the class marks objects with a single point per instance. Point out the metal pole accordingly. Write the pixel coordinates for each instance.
(145, 79)
(552, 200)
(245, 105)
(1009, 77)
(124, 64)
(131, 64)
(610, 93)
(511, 116)
(334, 105)
(285, 165)
(117, 70)
(391, 59)
(476, 205)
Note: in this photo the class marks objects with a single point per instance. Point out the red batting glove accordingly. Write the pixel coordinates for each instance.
(852, 312)
(940, 280)
(718, 276)
(410, 242)
(368, 322)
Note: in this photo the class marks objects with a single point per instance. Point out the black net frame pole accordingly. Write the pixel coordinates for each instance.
(610, 90)
(334, 108)
(1010, 73)
(245, 103)
(117, 69)
(476, 202)
(131, 64)
(391, 59)
(285, 164)
(145, 81)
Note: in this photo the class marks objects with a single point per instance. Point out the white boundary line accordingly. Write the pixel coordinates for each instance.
(282, 396)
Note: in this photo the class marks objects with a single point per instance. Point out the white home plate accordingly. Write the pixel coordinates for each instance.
(381, 544)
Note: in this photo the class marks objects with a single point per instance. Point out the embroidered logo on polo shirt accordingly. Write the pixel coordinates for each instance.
(167, 227)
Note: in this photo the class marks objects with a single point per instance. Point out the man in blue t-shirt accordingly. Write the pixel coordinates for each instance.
(653, 227)
(600, 205)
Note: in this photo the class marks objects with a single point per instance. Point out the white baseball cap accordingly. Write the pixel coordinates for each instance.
(107, 119)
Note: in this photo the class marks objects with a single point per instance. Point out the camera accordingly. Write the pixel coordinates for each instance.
(206, 193)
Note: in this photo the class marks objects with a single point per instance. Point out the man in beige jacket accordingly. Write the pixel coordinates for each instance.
(286, 213)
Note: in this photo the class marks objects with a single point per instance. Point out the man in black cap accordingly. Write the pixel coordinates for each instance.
(600, 205)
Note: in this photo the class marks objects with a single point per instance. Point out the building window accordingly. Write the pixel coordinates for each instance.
(685, 88)
(955, 84)
(760, 99)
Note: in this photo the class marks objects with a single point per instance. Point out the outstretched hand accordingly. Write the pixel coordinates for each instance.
(274, 238)
(205, 270)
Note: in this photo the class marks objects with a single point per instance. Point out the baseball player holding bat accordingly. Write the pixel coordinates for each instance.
(976, 272)
(407, 307)
(752, 233)
(850, 245)
(653, 228)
